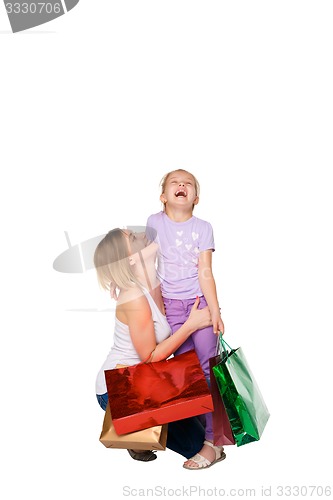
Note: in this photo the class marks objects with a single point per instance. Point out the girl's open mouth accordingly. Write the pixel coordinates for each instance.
(180, 192)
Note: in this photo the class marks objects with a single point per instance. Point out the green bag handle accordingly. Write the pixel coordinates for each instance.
(224, 342)
(221, 345)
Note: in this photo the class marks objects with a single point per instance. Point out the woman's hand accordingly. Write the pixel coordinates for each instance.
(199, 318)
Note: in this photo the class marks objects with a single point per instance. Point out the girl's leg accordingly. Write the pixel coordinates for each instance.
(203, 341)
(205, 346)
(176, 314)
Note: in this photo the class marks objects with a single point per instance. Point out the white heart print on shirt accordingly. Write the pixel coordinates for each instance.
(195, 236)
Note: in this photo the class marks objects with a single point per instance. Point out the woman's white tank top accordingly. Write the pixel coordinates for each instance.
(123, 351)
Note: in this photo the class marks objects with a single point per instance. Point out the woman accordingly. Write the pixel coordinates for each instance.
(125, 265)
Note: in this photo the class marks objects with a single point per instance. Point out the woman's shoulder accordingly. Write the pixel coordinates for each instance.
(132, 303)
(130, 295)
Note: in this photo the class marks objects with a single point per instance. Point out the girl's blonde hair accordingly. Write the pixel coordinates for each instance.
(166, 177)
(111, 260)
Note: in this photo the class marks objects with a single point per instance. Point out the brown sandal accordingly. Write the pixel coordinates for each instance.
(143, 456)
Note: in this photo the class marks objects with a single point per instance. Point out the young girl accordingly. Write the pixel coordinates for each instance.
(125, 262)
(186, 244)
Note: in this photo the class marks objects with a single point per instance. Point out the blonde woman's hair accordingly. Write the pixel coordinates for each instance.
(111, 260)
(166, 177)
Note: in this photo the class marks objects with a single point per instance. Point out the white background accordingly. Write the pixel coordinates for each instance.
(95, 107)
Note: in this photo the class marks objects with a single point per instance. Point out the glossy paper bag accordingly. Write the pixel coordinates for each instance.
(221, 426)
(153, 438)
(150, 394)
(245, 406)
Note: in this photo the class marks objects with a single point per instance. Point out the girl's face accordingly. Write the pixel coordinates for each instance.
(180, 190)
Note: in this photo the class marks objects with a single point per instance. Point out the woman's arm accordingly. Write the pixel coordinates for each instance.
(141, 327)
(208, 287)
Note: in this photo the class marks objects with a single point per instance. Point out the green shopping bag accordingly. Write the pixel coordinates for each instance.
(245, 406)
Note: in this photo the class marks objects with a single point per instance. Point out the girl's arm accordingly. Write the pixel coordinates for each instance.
(208, 287)
(141, 326)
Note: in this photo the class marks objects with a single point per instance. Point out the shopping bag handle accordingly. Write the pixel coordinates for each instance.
(221, 345)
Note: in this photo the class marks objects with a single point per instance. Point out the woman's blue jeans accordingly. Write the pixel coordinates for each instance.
(185, 436)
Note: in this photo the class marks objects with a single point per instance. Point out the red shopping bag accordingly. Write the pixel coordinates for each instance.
(221, 426)
(149, 394)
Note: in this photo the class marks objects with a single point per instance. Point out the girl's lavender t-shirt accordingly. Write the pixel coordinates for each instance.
(180, 244)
